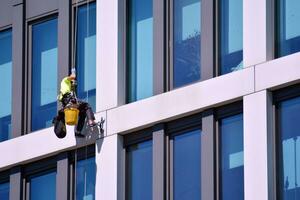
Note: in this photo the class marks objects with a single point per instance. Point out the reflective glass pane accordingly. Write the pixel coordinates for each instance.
(139, 171)
(187, 170)
(43, 187)
(4, 191)
(85, 179)
(186, 52)
(44, 74)
(289, 149)
(230, 36)
(86, 54)
(140, 50)
(6, 83)
(231, 158)
(288, 33)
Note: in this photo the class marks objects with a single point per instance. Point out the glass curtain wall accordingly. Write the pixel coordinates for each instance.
(139, 171)
(140, 50)
(186, 39)
(288, 153)
(86, 53)
(288, 29)
(187, 165)
(231, 168)
(6, 83)
(4, 191)
(230, 35)
(85, 179)
(43, 187)
(44, 74)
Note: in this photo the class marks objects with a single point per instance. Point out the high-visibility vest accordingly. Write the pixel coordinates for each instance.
(65, 87)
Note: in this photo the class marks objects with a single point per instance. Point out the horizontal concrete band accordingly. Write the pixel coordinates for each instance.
(167, 106)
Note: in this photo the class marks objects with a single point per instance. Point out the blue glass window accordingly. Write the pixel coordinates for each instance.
(186, 36)
(288, 29)
(4, 191)
(139, 171)
(44, 74)
(85, 179)
(187, 166)
(6, 83)
(289, 149)
(230, 36)
(231, 158)
(86, 53)
(140, 50)
(43, 187)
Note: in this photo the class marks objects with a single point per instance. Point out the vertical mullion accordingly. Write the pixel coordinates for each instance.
(17, 70)
(171, 167)
(62, 184)
(15, 183)
(29, 77)
(207, 39)
(158, 162)
(158, 46)
(171, 44)
(208, 156)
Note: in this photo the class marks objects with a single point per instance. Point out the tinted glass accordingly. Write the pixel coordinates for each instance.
(43, 187)
(186, 52)
(85, 179)
(231, 158)
(140, 49)
(186, 172)
(231, 35)
(288, 31)
(44, 74)
(139, 171)
(289, 149)
(86, 54)
(4, 191)
(6, 83)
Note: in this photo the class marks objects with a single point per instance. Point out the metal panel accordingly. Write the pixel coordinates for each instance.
(158, 46)
(35, 8)
(6, 14)
(159, 162)
(208, 156)
(62, 178)
(18, 70)
(207, 39)
(15, 187)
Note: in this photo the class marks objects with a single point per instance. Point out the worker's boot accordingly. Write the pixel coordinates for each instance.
(79, 134)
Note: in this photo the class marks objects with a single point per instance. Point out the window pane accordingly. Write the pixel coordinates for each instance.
(43, 187)
(6, 82)
(231, 35)
(44, 74)
(85, 179)
(139, 171)
(187, 169)
(231, 158)
(4, 191)
(86, 54)
(140, 50)
(186, 52)
(288, 36)
(289, 149)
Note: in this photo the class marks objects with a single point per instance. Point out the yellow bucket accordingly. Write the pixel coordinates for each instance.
(71, 116)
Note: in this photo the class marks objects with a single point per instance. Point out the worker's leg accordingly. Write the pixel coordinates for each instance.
(80, 124)
(84, 106)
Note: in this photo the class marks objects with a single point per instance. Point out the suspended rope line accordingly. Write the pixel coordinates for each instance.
(88, 35)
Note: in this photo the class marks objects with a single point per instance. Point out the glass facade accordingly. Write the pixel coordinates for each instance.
(86, 54)
(186, 166)
(231, 158)
(4, 191)
(85, 179)
(230, 35)
(140, 50)
(43, 187)
(186, 36)
(44, 74)
(6, 83)
(288, 29)
(139, 171)
(288, 152)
